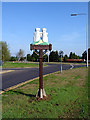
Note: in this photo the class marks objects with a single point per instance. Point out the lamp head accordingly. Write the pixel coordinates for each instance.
(74, 14)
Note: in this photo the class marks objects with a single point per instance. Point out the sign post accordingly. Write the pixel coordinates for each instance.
(41, 46)
(61, 54)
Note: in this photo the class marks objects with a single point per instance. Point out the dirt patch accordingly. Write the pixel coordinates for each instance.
(64, 83)
(51, 82)
(29, 86)
(81, 82)
(83, 72)
(45, 98)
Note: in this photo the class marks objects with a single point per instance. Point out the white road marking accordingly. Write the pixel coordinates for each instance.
(72, 66)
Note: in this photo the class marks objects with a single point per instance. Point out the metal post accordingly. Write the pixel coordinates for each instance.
(87, 43)
(61, 63)
(61, 54)
(48, 56)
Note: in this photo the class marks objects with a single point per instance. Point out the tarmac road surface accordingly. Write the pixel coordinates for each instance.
(23, 74)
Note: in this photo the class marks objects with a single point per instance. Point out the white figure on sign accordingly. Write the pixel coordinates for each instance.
(44, 35)
(38, 36)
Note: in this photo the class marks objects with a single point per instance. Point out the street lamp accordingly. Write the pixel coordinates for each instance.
(75, 14)
(61, 54)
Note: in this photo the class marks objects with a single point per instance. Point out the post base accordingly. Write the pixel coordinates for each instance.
(41, 93)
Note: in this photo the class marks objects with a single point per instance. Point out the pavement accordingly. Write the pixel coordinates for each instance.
(17, 76)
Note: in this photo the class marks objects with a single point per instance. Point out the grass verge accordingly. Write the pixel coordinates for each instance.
(67, 63)
(19, 65)
(67, 97)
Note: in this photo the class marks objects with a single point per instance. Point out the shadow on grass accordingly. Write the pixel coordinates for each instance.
(19, 92)
(29, 95)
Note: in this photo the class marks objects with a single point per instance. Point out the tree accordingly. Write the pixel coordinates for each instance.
(89, 54)
(35, 57)
(29, 58)
(65, 58)
(45, 58)
(54, 57)
(84, 55)
(13, 58)
(4, 51)
(20, 54)
(73, 56)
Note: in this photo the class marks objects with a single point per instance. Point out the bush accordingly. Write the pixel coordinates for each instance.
(13, 59)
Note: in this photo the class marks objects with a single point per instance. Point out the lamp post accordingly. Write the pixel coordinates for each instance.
(86, 34)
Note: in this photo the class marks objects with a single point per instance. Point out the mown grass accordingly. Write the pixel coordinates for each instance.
(67, 97)
(19, 65)
(74, 63)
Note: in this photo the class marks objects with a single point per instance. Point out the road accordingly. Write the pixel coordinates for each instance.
(23, 74)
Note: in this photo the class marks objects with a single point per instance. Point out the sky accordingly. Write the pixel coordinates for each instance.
(67, 33)
(89, 24)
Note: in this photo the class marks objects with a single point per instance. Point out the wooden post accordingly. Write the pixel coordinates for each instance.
(41, 70)
(41, 92)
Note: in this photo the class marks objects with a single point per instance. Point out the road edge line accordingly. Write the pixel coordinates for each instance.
(2, 72)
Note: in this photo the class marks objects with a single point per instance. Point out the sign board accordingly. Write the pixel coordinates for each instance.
(40, 43)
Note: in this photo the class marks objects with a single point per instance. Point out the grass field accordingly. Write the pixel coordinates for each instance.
(19, 65)
(67, 97)
(32, 64)
(67, 63)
